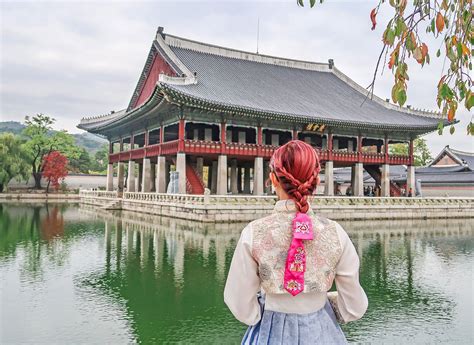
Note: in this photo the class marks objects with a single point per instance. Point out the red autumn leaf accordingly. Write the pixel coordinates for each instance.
(392, 60)
(373, 14)
(424, 49)
(451, 114)
(439, 22)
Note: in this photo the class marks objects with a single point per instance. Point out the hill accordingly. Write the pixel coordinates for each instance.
(90, 142)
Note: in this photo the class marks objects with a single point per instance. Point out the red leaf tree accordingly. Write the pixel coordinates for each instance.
(54, 168)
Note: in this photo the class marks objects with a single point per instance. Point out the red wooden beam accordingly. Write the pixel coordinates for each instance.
(329, 145)
(359, 148)
(181, 125)
(223, 136)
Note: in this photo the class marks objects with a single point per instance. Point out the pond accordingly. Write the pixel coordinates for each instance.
(73, 274)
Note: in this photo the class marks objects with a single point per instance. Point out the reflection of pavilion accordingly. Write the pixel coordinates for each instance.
(170, 264)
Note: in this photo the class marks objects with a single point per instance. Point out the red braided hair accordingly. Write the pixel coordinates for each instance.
(296, 166)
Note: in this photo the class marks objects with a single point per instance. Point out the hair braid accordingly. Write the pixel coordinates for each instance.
(296, 165)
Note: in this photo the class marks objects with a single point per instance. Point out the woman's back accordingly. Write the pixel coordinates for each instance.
(292, 257)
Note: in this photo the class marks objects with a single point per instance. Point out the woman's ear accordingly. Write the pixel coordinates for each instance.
(274, 180)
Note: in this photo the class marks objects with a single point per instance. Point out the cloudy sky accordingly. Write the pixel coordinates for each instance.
(71, 59)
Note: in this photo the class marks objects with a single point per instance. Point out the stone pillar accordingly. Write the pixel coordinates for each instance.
(258, 176)
(131, 177)
(152, 177)
(146, 175)
(411, 181)
(233, 177)
(385, 180)
(181, 169)
(214, 177)
(358, 187)
(246, 180)
(221, 183)
(139, 177)
(110, 177)
(239, 179)
(160, 182)
(199, 165)
(329, 179)
(266, 175)
(120, 176)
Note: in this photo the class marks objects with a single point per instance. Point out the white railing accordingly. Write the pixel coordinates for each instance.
(270, 200)
(98, 194)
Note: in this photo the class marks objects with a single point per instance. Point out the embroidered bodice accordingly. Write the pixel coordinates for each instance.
(271, 238)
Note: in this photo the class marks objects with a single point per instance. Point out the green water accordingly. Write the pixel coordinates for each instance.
(71, 274)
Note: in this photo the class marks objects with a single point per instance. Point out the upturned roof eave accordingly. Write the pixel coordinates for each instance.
(191, 100)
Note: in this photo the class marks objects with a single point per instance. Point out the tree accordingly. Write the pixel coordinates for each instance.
(447, 20)
(421, 153)
(101, 159)
(41, 141)
(54, 168)
(81, 164)
(13, 158)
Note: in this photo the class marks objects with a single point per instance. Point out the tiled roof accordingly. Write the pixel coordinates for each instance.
(288, 90)
(229, 80)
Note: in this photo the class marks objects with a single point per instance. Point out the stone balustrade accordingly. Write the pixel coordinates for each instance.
(235, 208)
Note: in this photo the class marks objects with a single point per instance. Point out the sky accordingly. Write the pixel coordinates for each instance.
(72, 59)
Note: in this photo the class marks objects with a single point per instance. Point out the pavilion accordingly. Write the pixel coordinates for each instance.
(215, 115)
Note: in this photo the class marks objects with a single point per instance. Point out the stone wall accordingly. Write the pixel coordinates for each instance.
(216, 209)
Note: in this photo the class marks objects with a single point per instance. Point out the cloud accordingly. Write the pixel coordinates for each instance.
(74, 59)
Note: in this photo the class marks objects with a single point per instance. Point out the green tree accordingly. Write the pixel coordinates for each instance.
(82, 164)
(101, 159)
(421, 152)
(41, 141)
(14, 160)
(449, 21)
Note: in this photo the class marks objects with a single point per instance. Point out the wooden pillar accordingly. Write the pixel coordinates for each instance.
(259, 140)
(295, 134)
(121, 144)
(181, 129)
(147, 137)
(359, 148)
(132, 141)
(385, 148)
(223, 133)
(411, 152)
(329, 146)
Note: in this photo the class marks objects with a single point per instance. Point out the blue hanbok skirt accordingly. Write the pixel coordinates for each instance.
(319, 327)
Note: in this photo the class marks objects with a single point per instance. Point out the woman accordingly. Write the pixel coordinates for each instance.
(290, 260)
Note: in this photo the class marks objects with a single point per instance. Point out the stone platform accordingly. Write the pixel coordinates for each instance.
(244, 208)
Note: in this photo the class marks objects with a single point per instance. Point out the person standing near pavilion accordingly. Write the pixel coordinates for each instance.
(284, 264)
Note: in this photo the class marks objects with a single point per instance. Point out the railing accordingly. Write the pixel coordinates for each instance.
(169, 147)
(200, 146)
(316, 200)
(252, 150)
(98, 194)
(241, 149)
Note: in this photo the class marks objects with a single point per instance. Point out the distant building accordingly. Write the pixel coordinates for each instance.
(451, 173)
(215, 115)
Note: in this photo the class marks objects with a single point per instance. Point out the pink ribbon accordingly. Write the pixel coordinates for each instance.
(296, 259)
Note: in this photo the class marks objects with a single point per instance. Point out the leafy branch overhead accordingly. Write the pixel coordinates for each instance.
(449, 21)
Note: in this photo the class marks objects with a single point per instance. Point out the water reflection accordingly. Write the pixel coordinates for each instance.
(148, 279)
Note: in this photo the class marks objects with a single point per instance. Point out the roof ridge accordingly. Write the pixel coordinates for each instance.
(207, 48)
(461, 152)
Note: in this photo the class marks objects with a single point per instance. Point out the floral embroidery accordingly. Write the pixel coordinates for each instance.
(293, 285)
(302, 227)
(322, 253)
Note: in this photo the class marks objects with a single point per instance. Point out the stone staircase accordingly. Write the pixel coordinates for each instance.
(374, 171)
(113, 205)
